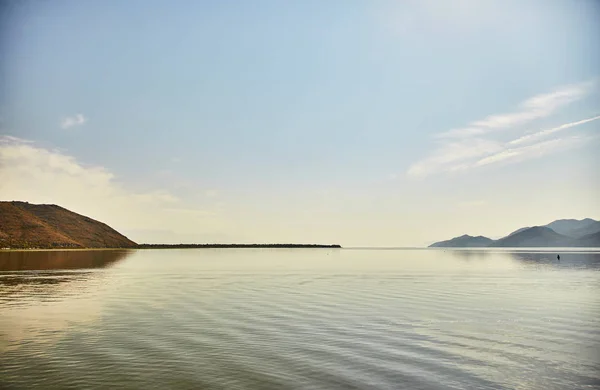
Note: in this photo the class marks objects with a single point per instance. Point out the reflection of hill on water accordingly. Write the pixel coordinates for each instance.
(42, 285)
(57, 260)
(571, 260)
(47, 275)
(470, 254)
(567, 259)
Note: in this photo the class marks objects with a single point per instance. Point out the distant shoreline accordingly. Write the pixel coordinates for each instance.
(186, 246)
(308, 246)
(181, 246)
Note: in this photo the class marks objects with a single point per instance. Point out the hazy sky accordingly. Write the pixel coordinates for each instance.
(385, 123)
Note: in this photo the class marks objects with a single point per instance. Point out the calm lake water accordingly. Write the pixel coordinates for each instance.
(299, 319)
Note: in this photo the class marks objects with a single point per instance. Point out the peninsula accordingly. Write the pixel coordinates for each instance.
(25, 225)
(182, 246)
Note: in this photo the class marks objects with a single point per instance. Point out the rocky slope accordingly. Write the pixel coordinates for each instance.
(26, 225)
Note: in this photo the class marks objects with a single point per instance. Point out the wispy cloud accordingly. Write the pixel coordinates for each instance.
(544, 133)
(71, 121)
(539, 149)
(471, 153)
(39, 175)
(9, 139)
(536, 107)
(472, 146)
(451, 156)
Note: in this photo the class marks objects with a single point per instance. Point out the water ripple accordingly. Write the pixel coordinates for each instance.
(281, 320)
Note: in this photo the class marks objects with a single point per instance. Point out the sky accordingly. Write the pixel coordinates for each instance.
(362, 123)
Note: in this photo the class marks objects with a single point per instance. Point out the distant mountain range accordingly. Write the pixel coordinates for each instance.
(559, 233)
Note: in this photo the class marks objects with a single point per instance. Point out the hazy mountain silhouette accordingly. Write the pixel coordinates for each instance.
(463, 241)
(537, 236)
(575, 228)
(26, 225)
(518, 231)
(590, 240)
(559, 233)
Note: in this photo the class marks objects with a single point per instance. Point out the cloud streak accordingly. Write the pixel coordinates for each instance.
(471, 147)
(536, 150)
(498, 154)
(72, 121)
(449, 156)
(544, 133)
(536, 107)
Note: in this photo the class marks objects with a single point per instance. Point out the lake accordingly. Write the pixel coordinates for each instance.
(300, 319)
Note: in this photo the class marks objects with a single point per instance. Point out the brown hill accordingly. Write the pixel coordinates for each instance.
(25, 225)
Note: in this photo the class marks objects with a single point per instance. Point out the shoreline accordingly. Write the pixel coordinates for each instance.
(186, 246)
(209, 246)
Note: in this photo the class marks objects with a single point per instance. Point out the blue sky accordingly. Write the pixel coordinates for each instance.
(358, 122)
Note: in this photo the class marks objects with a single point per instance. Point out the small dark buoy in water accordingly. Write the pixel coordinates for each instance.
(558, 257)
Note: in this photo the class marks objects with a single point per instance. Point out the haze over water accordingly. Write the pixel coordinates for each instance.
(299, 319)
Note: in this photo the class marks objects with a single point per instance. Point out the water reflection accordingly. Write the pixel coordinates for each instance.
(568, 259)
(48, 274)
(470, 255)
(46, 292)
(57, 260)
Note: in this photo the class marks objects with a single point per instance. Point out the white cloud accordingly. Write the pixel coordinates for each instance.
(512, 155)
(448, 157)
(503, 154)
(11, 139)
(472, 146)
(38, 175)
(544, 133)
(75, 120)
(471, 153)
(536, 107)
